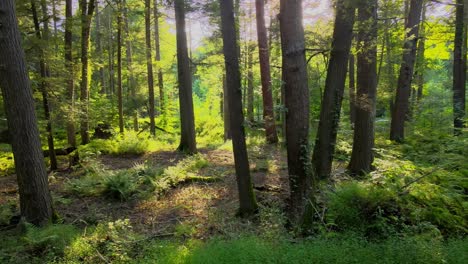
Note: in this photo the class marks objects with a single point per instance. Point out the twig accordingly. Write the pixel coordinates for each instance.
(403, 191)
(101, 256)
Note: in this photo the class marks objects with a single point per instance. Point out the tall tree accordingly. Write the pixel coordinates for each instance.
(264, 55)
(363, 142)
(132, 86)
(149, 66)
(248, 204)
(352, 89)
(225, 110)
(119, 66)
(99, 50)
(71, 138)
(334, 88)
(45, 75)
(401, 106)
(187, 118)
(162, 101)
(250, 84)
(421, 62)
(35, 198)
(459, 70)
(297, 105)
(87, 10)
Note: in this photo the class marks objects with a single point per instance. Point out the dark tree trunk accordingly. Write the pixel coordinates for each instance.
(87, 10)
(149, 66)
(162, 103)
(132, 86)
(250, 85)
(225, 110)
(264, 55)
(69, 73)
(401, 107)
(297, 105)
(248, 204)
(334, 88)
(459, 71)
(119, 68)
(45, 75)
(187, 119)
(363, 143)
(35, 198)
(421, 63)
(352, 90)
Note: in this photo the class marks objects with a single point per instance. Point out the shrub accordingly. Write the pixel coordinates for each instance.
(120, 186)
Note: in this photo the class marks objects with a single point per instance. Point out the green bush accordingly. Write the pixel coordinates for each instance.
(120, 186)
(50, 241)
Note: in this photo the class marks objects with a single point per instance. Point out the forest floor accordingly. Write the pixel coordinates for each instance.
(165, 207)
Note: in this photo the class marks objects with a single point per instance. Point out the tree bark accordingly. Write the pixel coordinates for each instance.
(149, 66)
(226, 118)
(87, 10)
(71, 138)
(400, 109)
(132, 86)
(119, 67)
(264, 55)
(250, 85)
(334, 88)
(421, 63)
(363, 142)
(297, 105)
(248, 205)
(99, 50)
(35, 198)
(187, 119)
(162, 101)
(352, 90)
(459, 71)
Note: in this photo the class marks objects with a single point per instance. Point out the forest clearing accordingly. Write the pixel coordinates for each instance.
(233, 131)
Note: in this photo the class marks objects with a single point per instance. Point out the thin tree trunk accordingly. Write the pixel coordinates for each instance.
(248, 205)
(111, 87)
(35, 198)
(162, 102)
(421, 66)
(119, 67)
(149, 66)
(459, 71)
(71, 138)
(99, 50)
(226, 115)
(132, 86)
(187, 119)
(45, 75)
(352, 90)
(400, 109)
(250, 86)
(363, 142)
(334, 88)
(87, 10)
(297, 105)
(264, 55)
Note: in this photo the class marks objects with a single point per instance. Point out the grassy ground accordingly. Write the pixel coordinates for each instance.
(134, 200)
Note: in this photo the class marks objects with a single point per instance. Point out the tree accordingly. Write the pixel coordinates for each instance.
(363, 142)
(87, 10)
(264, 55)
(421, 64)
(334, 88)
(162, 102)
(132, 86)
(297, 105)
(119, 67)
(35, 198)
(459, 70)
(401, 106)
(248, 204)
(149, 66)
(352, 90)
(71, 138)
(225, 111)
(187, 119)
(45, 75)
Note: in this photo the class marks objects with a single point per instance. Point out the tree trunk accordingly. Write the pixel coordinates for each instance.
(187, 119)
(421, 59)
(111, 87)
(162, 102)
(400, 109)
(87, 10)
(297, 105)
(248, 205)
(334, 88)
(71, 138)
(45, 75)
(352, 90)
(250, 85)
(149, 66)
(363, 143)
(264, 55)
(35, 198)
(99, 50)
(119, 67)
(129, 52)
(227, 123)
(459, 71)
